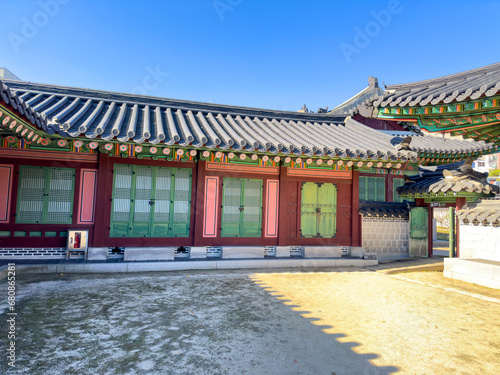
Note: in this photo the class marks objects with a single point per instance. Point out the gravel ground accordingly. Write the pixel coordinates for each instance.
(344, 321)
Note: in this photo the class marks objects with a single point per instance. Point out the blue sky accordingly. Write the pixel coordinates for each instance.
(255, 53)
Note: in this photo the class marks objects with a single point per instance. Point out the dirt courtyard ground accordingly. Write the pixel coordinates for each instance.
(335, 322)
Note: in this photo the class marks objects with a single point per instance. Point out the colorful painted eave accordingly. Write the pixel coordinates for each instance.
(477, 120)
(90, 121)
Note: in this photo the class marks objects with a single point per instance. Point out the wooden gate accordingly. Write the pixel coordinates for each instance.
(419, 232)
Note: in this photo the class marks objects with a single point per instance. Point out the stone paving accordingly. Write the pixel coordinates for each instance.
(316, 321)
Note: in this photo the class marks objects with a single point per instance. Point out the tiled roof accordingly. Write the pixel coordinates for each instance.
(384, 209)
(471, 84)
(438, 144)
(73, 112)
(11, 98)
(485, 212)
(433, 181)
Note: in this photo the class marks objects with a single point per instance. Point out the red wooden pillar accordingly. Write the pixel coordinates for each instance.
(459, 204)
(389, 192)
(199, 203)
(356, 217)
(103, 204)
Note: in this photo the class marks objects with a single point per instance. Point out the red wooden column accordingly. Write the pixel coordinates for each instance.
(103, 202)
(199, 202)
(356, 217)
(282, 222)
(389, 188)
(460, 203)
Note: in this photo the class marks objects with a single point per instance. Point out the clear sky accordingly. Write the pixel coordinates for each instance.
(256, 53)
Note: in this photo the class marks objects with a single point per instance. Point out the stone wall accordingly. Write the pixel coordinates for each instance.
(479, 241)
(386, 238)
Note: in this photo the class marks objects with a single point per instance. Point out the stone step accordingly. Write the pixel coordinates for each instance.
(474, 270)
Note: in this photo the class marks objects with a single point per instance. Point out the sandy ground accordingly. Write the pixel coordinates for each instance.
(345, 321)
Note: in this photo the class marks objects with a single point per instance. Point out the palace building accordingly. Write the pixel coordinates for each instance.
(137, 172)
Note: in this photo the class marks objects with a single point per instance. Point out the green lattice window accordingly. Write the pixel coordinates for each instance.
(45, 195)
(318, 210)
(151, 202)
(241, 208)
(372, 189)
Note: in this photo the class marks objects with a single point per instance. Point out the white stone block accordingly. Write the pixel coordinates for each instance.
(282, 251)
(319, 262)
(281, 263)
(148, 253)
(351, 262)
(241, 252)
(235, 264)
(357, 251)
(469, 267)
(198, 252)
(204, 265)
(322, 252)
(97, 253)
(473, 279)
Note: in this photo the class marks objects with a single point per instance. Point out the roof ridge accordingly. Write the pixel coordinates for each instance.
(161, 101)
(449, 77)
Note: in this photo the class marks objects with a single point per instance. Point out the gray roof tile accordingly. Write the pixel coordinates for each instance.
(471, 84)
(432, 180)
(486, 212)
(384, 209)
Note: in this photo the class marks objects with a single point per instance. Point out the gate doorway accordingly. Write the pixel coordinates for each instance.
(444, 234)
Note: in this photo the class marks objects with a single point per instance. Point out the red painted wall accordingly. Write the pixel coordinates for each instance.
(288, 225)
(102, 224)
(12, 227)
(378, 123)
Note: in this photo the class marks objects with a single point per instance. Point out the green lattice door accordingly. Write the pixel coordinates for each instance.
(45, 195)
(151, 202)
(242, 208)
(318, 210)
